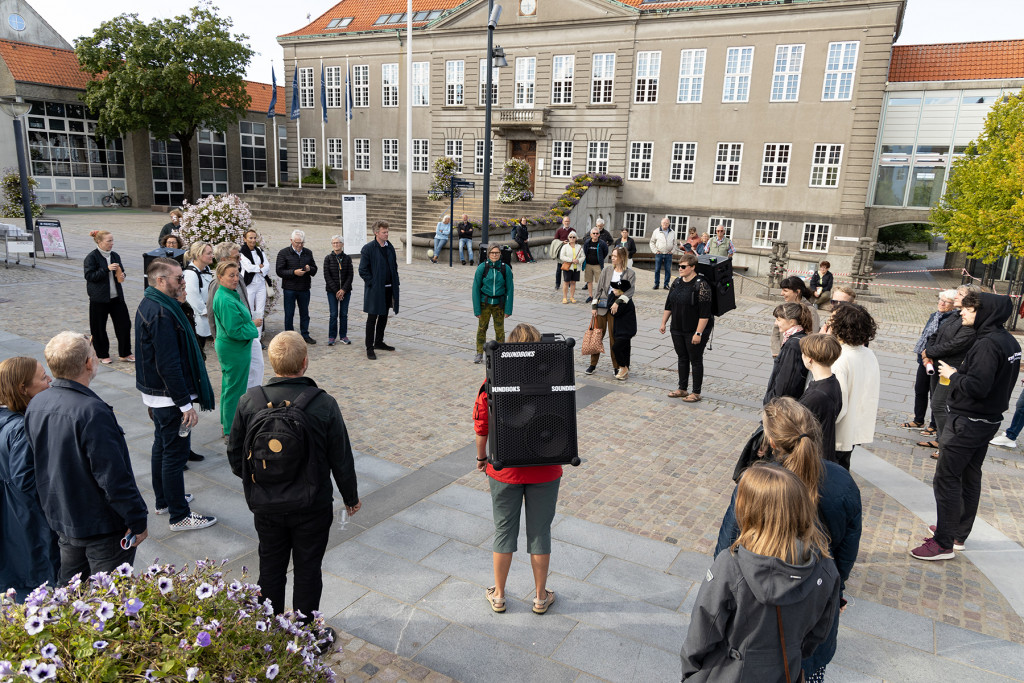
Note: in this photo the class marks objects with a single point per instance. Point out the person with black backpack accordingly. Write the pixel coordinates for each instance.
(287, 439)
(492, 298)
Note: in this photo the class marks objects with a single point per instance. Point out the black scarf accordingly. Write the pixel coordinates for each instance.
(246, 252)
(200, 380)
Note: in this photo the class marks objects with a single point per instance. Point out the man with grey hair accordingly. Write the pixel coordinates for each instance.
(296, 267)
(338, 275)
(83, 473)
(663, 245)
(606, 236)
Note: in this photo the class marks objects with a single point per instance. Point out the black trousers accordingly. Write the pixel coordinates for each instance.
(376, 324)
(957, 482)
(691, 357)
(558, 274)
(87, 556)
(301, 537)
(118, 312)
(922, 391)
(621, 346)
(843, 458)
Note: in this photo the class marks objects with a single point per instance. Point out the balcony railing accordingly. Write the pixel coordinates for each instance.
(520, 119)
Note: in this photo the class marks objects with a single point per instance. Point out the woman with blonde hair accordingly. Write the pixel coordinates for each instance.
(198, 277)
(571, 255)
(795, 437)
(104, 274)
(770, 600)
(611, 275)
(29, 556)
(236, 330)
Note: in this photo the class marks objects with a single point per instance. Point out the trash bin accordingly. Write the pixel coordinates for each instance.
(160, 252)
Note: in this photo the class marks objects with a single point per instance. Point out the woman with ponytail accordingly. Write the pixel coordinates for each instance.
(104, 274)
(789, 375)
(774, 595)
(795, 437)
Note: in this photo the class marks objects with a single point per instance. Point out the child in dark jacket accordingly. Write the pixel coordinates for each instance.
(823, 395)
(624, 311)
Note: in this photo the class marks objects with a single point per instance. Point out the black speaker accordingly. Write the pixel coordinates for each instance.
(531, 398)
(147, 258)
(717, 270)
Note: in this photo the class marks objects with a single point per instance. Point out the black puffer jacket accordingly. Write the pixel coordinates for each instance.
(338, 272)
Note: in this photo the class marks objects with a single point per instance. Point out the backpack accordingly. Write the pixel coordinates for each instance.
(279, 473)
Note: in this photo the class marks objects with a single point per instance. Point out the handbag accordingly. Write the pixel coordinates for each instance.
(593, 339)
(566, 266)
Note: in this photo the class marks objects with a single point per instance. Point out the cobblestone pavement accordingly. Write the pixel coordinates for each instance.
(652, 466)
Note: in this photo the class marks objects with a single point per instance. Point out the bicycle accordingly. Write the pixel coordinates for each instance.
(117, 196)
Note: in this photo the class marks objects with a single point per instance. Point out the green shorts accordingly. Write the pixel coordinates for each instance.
(506, 503)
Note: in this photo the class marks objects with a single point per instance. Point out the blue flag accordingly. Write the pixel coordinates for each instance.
(273, 94)
(323, 92)
(295, 94)
(348, 98)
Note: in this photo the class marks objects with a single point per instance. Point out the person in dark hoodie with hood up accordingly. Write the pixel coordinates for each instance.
(979, 395)
(776, 583)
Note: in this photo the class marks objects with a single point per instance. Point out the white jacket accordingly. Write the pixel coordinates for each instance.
(663, 241)
(859, 379)
(572, 254)
(195, 294)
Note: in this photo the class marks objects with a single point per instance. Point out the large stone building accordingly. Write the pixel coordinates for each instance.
(759, 115)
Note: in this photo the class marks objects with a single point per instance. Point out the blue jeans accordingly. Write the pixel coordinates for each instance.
(338, 322)
(170, 455)
(467, 244)
(439, 243)
(663, 261)
(1018, 419)
(290, 298)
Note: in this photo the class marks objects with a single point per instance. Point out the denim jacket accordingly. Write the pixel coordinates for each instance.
(161, 358)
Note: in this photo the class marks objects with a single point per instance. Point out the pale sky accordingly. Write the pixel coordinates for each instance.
(926, 21)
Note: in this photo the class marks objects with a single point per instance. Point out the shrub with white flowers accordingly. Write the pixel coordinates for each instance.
(515, 185)
(162, 625)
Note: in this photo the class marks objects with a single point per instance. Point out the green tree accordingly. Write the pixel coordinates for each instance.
(982, 210)
(170, 77)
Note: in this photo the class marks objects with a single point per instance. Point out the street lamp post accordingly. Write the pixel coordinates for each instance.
(493, 13)
(16, 108)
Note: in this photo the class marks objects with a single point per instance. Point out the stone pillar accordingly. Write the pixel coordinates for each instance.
(778, 263)
(862, 272)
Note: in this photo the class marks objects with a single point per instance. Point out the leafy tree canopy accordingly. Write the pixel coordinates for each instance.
(982, 210)
(170, 76)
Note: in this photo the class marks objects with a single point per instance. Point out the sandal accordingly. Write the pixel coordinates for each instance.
(541, 606)
(106, 361)
(572, 300)
(928, 431)
(692, 398)
(497, 604)
(130, 358)
(678, 393)
(564, 300)
(935, 455)
(912, 425)
(928, 444)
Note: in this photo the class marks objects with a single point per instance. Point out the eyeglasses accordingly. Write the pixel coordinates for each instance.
(684, 266)
(180, 278)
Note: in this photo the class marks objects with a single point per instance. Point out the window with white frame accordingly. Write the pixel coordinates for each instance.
(308, 153)
(453, 150)
(640, 154)
(420, 155)
(597, 157)
(526, 81)
(727, 162)
(332, 80)
(389, 85)
(561, 79)
(648, 67)
(335, 159)
(389, 152)
(635, 223)
(716, 222)
(739, 62)
(691, 75)
(478, 160)
(602, 79)
(361, 85)
(421, 84)
(840, 66)
(775, 164)
(815, 237)
(306, 99)
(684, 157)
(789, 61)
(483, 83)
(561, 159)
(679, 224)
(825, 165)
(362, 150)
(454, 82)
(765, 232)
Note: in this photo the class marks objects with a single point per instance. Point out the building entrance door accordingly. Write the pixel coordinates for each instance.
(525, 149)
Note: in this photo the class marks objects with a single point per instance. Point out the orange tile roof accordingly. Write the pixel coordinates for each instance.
(957, 61)
(56, 67)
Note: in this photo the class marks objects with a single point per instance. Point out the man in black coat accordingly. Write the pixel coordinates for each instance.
(378, 266)
(296, 267)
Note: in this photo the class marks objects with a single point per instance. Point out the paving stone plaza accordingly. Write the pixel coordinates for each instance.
(636, 522)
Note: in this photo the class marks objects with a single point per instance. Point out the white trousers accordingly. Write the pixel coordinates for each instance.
(255, 365)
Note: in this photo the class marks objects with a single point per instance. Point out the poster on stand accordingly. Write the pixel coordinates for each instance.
(353, 220)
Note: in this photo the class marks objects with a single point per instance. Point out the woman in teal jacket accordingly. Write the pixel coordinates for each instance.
(235, 331)
(492, 297)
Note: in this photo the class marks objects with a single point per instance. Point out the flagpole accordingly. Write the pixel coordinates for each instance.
(323, 125)
(277, 156)
(348, 123)
(273, 114)
(408, 140)
(298, 120)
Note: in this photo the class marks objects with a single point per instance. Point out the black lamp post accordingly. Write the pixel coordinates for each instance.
(493, 53)
(16, 108)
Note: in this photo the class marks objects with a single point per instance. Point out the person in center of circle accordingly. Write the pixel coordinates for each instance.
(338, 276)
(689, 305)
(536, 487)
(595, 251)
(611, 275)
(235, 331)
(789, 375)
(441, 235)
(493, 288)
(104, 274)
(794, 290)
(571, 258)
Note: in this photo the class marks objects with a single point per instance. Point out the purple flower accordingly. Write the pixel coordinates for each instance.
(36, 597)
(100, 645)
(272, 671)
(191, 673)
(268, 648)
(261, 625)
(48, 651)
(27, 665)
(132, 606)
(204, 591)
(235, 586)
(44, 672)
(148, 675)
(34, 625)
(5, 668)
(166, 585)
(124, 570)
(60, 595)
(153, 570)
(105, 611)
(203, 639)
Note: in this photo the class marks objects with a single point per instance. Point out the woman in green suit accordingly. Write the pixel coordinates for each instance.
(235, 331)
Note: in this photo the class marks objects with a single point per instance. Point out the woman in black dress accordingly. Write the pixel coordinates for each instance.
(689, 306)
(103, 277)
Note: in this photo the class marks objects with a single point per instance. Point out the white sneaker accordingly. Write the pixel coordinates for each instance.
(194, 521)
(163, 511)
(1004, 441)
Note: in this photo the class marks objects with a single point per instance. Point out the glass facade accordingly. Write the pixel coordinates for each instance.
(254, 154)
(168, 177)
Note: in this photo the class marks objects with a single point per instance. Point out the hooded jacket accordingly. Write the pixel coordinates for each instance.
(493, 285)
(734, 633)
(982, 386)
